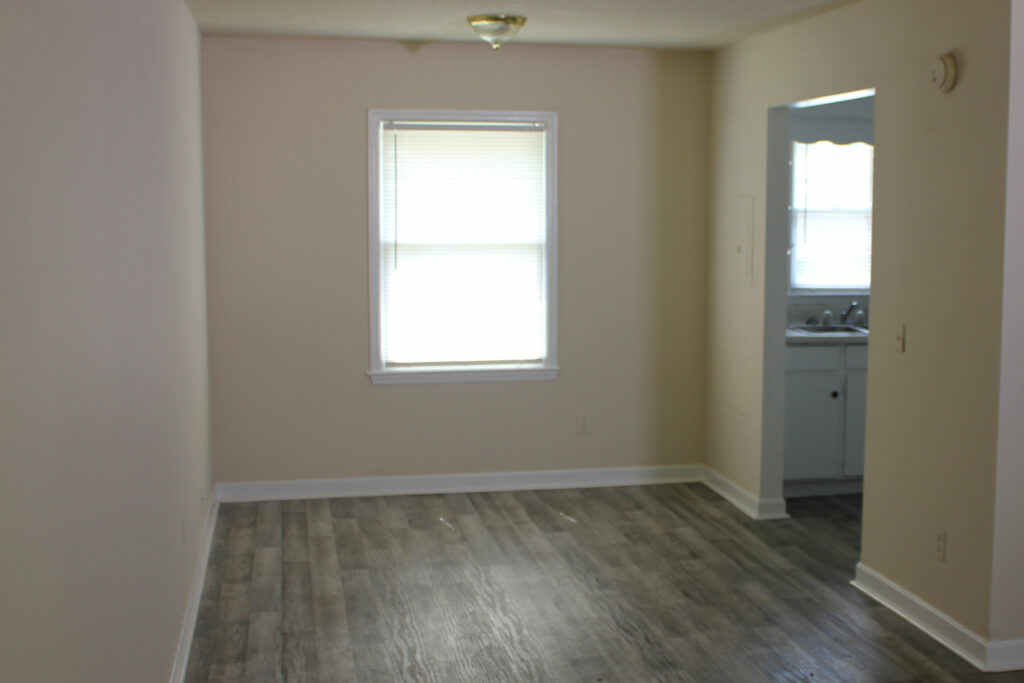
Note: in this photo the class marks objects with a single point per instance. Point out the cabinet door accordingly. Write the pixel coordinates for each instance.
(856, 412)
(814, 424)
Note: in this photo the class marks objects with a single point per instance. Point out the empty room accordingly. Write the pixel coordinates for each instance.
(395, 341)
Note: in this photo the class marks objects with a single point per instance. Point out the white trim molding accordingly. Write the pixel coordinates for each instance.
(188, 624)
(987, 655)
(1004, 655)
(828, 487)
(465, 374)
(754, 507)
(510, 369)
(297, 489)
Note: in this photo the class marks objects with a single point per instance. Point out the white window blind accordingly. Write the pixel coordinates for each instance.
(463, 229)
(830, 246)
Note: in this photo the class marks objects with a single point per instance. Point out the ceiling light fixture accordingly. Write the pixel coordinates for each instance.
(496, 28)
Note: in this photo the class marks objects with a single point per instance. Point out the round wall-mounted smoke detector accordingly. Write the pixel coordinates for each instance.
(943, 72)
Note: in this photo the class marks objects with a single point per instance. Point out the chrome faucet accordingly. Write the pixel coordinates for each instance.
(845, 315)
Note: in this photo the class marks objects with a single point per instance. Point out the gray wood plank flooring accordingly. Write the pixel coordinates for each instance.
(655, 583)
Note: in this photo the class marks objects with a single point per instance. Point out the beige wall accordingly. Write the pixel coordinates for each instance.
(939, 205)
(103, 419)
(285, 164)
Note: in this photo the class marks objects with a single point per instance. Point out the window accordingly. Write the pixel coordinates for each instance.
(462, 246)
(830, 244)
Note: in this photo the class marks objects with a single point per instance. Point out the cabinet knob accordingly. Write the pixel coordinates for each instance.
(835, 394)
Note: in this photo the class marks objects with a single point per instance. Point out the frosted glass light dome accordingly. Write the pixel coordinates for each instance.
(496, 29)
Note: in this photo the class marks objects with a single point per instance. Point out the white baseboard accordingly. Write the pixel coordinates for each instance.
(195, 593)
(300, 489)
(1005, 655)
(754, 507)
(297, 489)
(827, 487)
(1000, 655)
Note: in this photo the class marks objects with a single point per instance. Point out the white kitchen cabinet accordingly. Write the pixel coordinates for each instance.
(813, 426)
(826, 395)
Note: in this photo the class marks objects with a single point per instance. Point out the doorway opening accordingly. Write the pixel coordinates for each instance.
(817, 296)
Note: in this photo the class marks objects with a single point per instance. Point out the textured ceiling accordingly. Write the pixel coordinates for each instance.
(642, 23)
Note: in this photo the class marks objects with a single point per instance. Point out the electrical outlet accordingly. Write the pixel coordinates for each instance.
(582, 424)
(940, 546)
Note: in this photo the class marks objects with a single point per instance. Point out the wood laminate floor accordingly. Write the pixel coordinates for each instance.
(654, 583)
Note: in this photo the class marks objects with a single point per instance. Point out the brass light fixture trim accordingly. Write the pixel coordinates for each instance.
(496, 29)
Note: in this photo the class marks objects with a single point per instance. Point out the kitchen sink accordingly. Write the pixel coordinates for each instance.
(829, 329)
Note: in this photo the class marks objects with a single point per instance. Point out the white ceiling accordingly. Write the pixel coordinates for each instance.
(642, 23)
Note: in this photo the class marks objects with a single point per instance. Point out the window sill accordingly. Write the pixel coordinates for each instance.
(829, 292)
(463, 374)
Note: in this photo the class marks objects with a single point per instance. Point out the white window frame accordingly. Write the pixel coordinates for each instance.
(547, 369)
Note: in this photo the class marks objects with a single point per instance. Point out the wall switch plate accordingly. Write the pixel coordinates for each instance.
(901, 338)
(940, 546)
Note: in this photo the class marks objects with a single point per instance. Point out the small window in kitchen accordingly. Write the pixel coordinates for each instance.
(830, 237)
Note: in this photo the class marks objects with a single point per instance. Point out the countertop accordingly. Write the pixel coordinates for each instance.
(796, 338)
